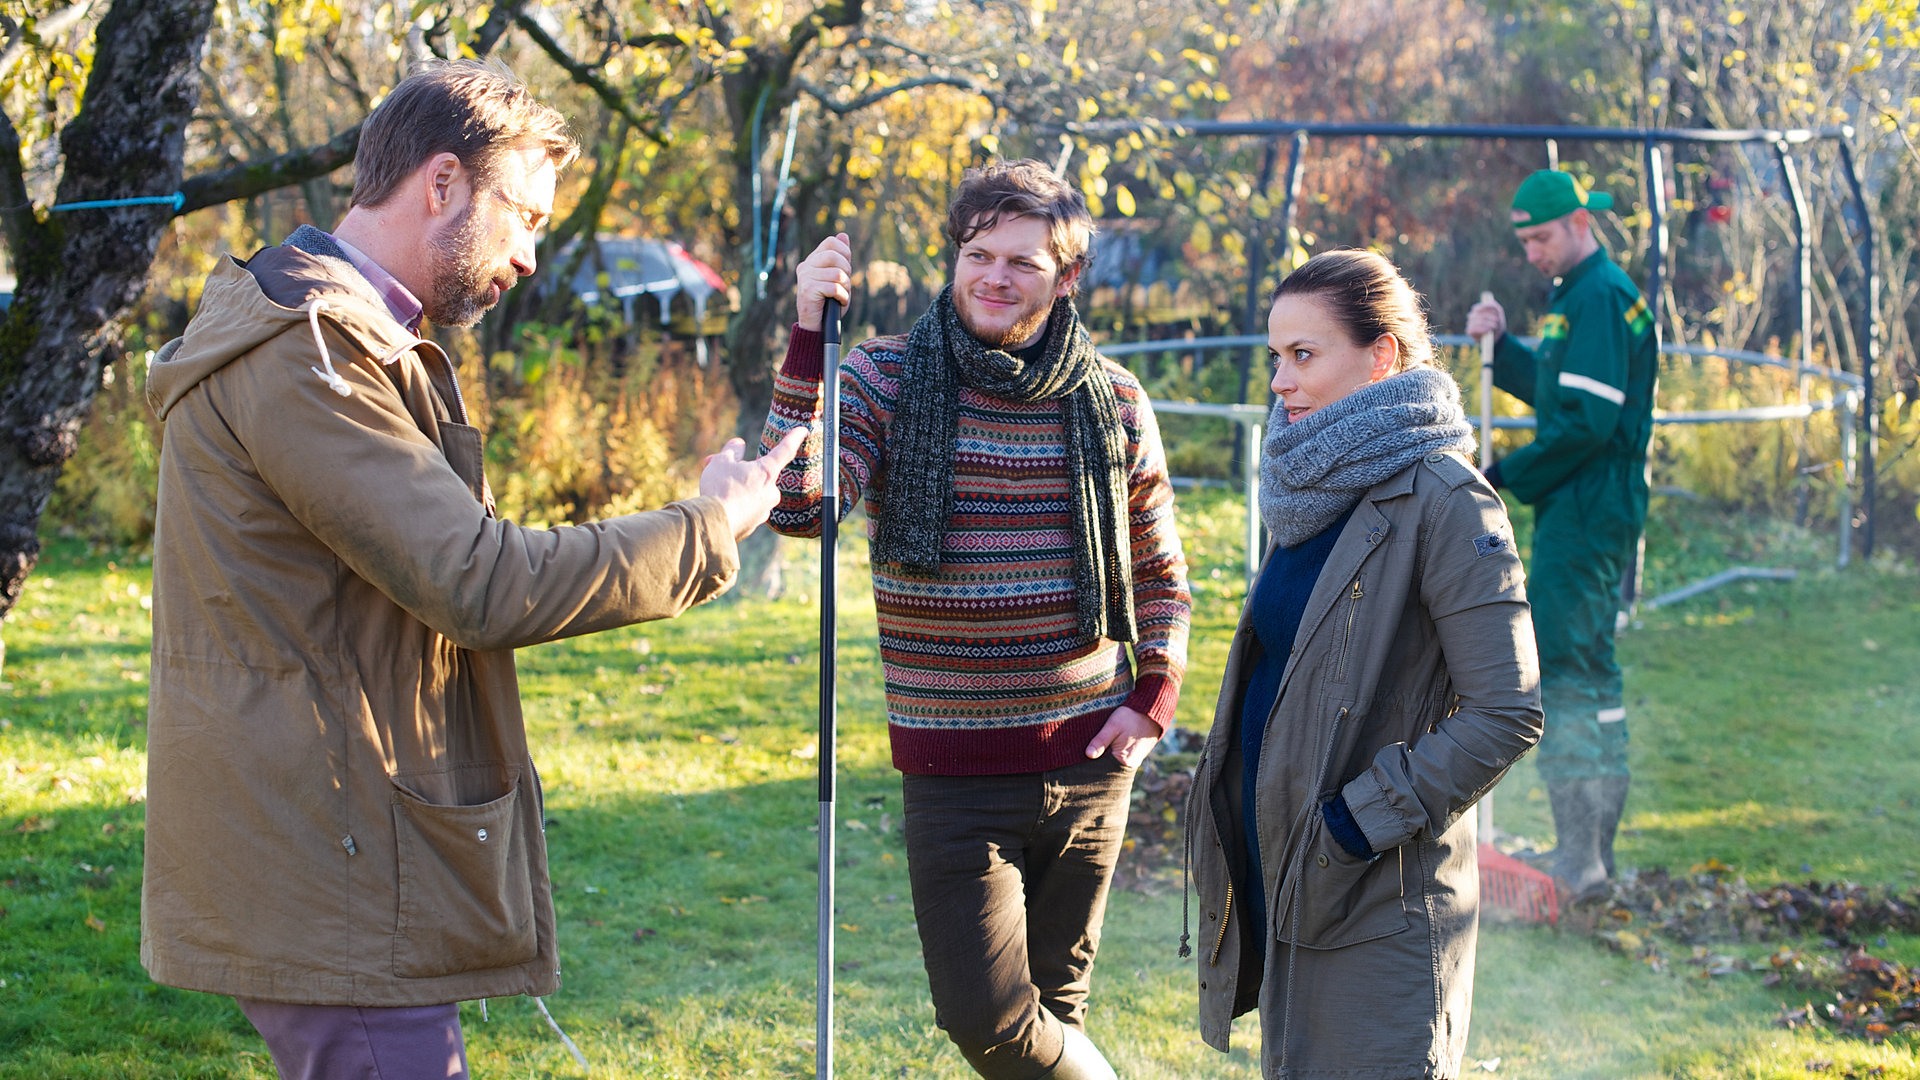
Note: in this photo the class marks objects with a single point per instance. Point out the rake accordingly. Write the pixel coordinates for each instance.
(1509, 888)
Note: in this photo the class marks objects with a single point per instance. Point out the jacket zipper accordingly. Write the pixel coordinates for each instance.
(1346, 643)
(1226, 912)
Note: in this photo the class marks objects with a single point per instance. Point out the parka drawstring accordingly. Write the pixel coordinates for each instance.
(331, 377)
(1186, 862)
(338, 383)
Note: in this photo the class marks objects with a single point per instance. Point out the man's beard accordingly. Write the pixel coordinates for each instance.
(1023, 328)
(461, 276)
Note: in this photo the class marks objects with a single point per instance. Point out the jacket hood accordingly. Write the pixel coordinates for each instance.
(246, 304)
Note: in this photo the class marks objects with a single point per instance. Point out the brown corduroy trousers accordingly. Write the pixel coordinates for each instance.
(1010, 877)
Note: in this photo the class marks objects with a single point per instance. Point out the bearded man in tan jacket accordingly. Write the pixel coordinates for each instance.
(344, 824)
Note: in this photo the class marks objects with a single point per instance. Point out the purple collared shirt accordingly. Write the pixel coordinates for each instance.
(401, 304)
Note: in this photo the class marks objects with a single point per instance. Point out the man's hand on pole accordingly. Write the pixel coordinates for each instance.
(1486, 317)
(1128, 734)
(746, 488)
(827, 273)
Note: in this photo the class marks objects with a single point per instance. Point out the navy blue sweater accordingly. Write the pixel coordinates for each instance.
(1278, 603)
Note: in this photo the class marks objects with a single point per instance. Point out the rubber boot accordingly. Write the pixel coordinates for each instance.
(1613, 802)
(1576, 818)
(1080, 1059)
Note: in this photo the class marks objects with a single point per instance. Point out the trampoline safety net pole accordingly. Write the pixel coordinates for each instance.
(829, 592)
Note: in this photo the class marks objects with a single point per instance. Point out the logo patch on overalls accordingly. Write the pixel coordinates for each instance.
(1490, 544)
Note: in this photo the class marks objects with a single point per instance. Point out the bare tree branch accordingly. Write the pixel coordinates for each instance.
(16, 208)
(45, 26)
(842, 108)
(499, 21)
(297, 166)
(254, 177)
(831, 15)
(586, 76)
(918, 54)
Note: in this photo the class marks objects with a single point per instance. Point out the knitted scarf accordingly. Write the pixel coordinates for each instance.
(917, 496)
(1316, 469)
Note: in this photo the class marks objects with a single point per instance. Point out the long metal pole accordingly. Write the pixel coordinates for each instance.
(1656, 264)
(1256, 319)
(1803, 358)
(1290, 198)
(1869, 351)
(1255, 323)
(1345, 129)
(829, 642)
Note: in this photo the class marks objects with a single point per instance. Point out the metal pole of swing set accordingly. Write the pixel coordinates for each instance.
(829, 591)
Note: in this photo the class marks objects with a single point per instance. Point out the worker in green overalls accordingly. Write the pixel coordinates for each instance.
(1591, 387)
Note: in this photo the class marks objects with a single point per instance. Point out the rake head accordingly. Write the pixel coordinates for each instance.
(1512, 890)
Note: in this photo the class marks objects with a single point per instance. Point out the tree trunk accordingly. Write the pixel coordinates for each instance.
(79, 271)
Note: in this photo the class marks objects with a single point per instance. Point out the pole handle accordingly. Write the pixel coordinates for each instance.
(830, 322)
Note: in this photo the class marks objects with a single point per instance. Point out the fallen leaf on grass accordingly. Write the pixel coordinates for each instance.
(94, 923)
(1624, 940)
(36, 824)
(644, 933)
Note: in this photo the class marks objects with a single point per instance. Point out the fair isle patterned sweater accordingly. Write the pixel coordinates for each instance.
(985, 671)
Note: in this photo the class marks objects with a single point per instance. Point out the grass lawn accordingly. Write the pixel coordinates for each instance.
(1773, 730)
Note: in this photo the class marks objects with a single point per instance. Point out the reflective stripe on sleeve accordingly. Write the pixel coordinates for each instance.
(1595, 387)
(1612, 716)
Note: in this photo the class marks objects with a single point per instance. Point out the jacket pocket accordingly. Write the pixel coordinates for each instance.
(465, 887)
(1337, 900)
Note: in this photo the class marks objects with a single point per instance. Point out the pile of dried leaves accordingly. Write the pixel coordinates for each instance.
(1711, 903)
(1874, 999)
(1871, 998)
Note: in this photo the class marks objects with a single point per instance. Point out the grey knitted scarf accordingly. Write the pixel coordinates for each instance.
(1314, 470)
(917, 496)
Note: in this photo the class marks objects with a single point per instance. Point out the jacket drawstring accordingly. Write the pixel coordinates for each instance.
(1186, 864)
(329, 376)
(339, 385)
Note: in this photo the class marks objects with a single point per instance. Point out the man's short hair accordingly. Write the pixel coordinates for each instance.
(1024, 188)
(478, 111)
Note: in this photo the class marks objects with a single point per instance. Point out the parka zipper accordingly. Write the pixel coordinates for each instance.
(1346, 643)
(1226, 912)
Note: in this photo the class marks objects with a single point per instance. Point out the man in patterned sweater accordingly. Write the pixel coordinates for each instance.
(1021, 520)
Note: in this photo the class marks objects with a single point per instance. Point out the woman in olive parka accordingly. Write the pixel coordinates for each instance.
(1382, 678)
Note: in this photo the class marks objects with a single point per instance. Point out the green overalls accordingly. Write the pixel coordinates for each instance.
(1591, 388)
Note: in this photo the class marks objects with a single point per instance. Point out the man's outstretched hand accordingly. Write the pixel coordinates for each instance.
(745, 487)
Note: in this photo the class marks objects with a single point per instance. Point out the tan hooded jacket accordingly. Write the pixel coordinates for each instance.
(341, 805)
(1413, 684)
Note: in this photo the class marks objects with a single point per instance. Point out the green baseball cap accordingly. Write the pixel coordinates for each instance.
(1549, 194)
